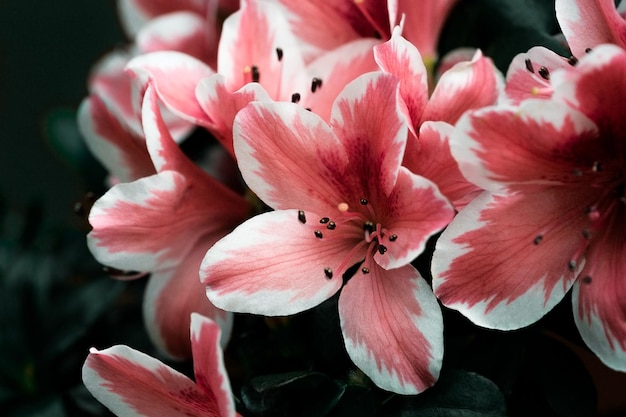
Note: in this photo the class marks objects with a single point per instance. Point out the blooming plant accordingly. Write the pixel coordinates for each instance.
(372, 208)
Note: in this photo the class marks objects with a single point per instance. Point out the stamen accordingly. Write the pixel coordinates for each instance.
(369, 227)
(587, 280)
(572, 265)
(587, 50)
(365, 270)
(393, 237)
(597, 166)
(324, 220)
(331, 226)
(328, 272)
(279, 53)
(255, 74)
(318, 234)
(529, 65)
(315, 84)
(572, 60)
(382, 249)
(538, 239)
(544, 73)
(295, 97)
(301, 216)
(364, 201)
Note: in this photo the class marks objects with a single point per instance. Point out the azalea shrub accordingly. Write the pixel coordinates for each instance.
(373, 208)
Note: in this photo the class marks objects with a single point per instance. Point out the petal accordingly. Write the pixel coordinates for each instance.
(599, 299)
(399, 57)
(597, 88)
(175, 77)
(336, 69)
(367, 119)
(414, 211)
(250, 38)
(134, 14)
(430, 157)
(184, 32)
(131, 383)
(524, 77)
(133, 227)
(507, 259)
(208, 363)
(467, 85)
(167, 317)
(541, 142)
(588, 23)
(122, 152)
(393, 329)
(274, 265)
(275, 144)
(221, 105)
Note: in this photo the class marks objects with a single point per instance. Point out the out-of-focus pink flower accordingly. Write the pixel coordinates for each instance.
(342, 198)
(466, 85)
(163, 224)
(555, 213)
(131, 383)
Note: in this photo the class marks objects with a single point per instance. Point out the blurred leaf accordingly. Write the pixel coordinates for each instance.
(458, 393)
(305, 394)
(357, 401)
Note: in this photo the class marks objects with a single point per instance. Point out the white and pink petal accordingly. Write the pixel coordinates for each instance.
(393, 329)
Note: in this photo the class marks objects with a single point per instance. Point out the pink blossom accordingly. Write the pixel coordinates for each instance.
(131, 383)
(553, 218)
(163, 224)
(341, 199)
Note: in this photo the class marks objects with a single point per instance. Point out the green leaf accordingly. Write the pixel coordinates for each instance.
(305, 394)
(458, 393)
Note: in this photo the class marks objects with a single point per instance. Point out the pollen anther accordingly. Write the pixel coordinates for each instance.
(382, 249)
(318, 234)
(324, 220)
(328, 272)
(301, 216)
(331, 226)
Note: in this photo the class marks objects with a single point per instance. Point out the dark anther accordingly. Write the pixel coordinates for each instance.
(318, 234)
(587, 280)
(571, 265)
(295, 97)
(324, 220)
(538, 239)
(315, 84)
(79, 209)
(382, 249)
(393, 237)
(577, 172)
(597, 166)
(544, 73)
(307, 108)
(369, 226)
(364, 201)
(587, 50)
(588, 210)
(255, 74)
(279, 53)
(301, 216)
(365, 270)
(572, 60)
(328, 272)
(331, 226)
(586, 234)
(529, 65)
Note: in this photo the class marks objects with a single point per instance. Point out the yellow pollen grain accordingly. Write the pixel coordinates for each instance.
(343, 207)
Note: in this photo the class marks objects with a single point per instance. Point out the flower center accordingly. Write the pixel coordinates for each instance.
(368, 234)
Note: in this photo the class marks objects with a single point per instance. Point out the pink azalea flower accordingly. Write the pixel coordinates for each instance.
(341, 198)
(553, 217)
(131, 383)
(163, 224)
(464, 86)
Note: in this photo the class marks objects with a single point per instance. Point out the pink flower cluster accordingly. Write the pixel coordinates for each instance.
(359, 153)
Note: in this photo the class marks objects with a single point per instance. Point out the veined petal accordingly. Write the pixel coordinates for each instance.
(136, 224)
(507, 259)
(414, 211)
(123, 153)
(175, 76)
(367, 119)
(401, 58)
(588, 23)
(183, 31)
(134, 14)
(131, 383)
(336, 69)
(221, 105)
(393, 329)
(274, 265)
(465, 86)
(275, 144)
(599, 298)
(167, 316)
(540, 142)
(530, 73)
(208, 363)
